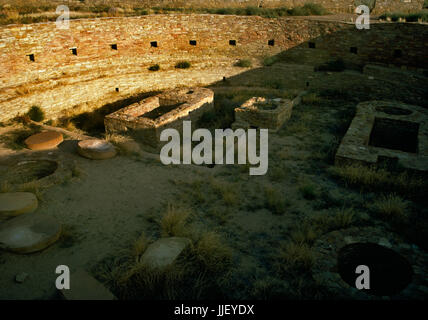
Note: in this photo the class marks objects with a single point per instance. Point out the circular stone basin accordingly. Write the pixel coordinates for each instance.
(44, 140)
(29, 233)
(393, 110)
(390, 273)
(16, 203)
(32, 170)
(96, 149)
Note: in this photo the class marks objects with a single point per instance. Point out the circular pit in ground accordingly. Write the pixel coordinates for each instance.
(389, 272)
(31, 170)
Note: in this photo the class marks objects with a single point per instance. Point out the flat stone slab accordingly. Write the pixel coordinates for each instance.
(44, 140)
(163, 252)
(96, 149)
(16, 203)
(85, 287)
(29, 233)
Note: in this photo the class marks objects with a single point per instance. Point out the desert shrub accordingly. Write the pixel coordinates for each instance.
(277, 174)
(392, 208)
(154, 67)
(269, 61)
(410, 17)
(311, 98)
(308, 190)
(183, 65)
(174, 221)
(140, 245)
(212, 253)
(338, 219)
(308, 9)
(243, 63)
(296, 257)
(305, 234)
(36, 114)
(380, 180)
(275, 202)
(226, 191)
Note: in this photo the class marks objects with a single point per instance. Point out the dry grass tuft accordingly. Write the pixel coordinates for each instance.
(174, 221)
(275, 201)
(214, 255)
(296, 257)
(391, 207)
(371, 179)
(140, 245)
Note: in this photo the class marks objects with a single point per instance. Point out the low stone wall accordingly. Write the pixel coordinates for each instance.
(142, 123)
(57, 79)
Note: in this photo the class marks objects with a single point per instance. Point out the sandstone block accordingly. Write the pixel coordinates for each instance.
(164, 252)
(16, 203)
(29, 233)
(96, 149)
(44, 140)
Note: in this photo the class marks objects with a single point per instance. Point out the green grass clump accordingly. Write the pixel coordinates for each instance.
(380, 180)
(154, 67)
(392, 208)
(243, 63)
(308, 191)
(410, 17)
(173, 223)
(296, 257)
(275, 201)
(269, 61)
(36, 114)
(311, 98)
(183, 65)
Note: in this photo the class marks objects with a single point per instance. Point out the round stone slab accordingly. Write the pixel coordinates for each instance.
(16, 203)
(29, 233)
(96, 149)
(44, 140)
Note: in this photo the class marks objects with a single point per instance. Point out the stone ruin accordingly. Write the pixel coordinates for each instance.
(387, 131)
(263, 113)
(145, 120)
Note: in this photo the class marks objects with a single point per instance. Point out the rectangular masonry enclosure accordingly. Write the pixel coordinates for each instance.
(145, 120)
(262, 113)
(383, 131)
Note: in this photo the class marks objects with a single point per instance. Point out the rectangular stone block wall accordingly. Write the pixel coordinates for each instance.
(59, 80)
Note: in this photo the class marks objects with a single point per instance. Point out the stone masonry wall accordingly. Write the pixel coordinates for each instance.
(59, 80)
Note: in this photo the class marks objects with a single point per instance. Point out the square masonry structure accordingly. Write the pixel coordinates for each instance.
(145, 120)
(387, 131)
(263, 113)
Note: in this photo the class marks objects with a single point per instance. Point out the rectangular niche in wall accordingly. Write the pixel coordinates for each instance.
(398, 53)
(74, 51)
(31, 57)
(271, 42)
(353, 50)
(232, 42)
(192, 42)
(311, 45)
(113, 46)
(154, 44)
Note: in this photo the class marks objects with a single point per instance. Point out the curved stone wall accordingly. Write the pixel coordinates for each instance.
(99, 61)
